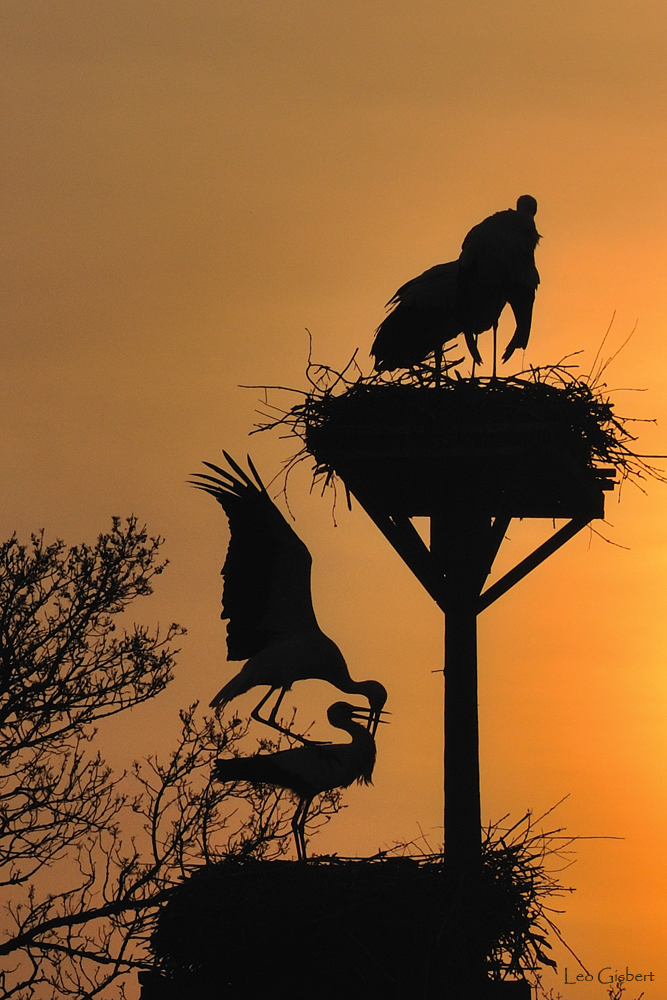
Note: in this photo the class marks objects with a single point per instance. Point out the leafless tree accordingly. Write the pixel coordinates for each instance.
(87, 858)
(62, 667)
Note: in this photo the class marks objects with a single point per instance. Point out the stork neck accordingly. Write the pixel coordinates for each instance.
(350, 686)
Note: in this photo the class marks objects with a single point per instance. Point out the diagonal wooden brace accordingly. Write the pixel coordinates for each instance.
(528, 564)
(402, 535)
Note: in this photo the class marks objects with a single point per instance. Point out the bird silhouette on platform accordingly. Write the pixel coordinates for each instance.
(309, 770)
(267, 600)
(496, 267)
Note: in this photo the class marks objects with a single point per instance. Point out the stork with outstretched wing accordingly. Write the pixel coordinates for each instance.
(267, 600)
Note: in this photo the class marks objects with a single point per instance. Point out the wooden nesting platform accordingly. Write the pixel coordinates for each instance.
(503, 450)
(331, 928)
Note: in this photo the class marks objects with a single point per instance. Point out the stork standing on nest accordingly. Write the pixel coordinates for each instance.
(309, 770)
(267, 599)
(496, 266)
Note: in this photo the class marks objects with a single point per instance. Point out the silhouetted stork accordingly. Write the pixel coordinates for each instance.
(424, 317)
(312, 769)
(267, 598)
(496, 266)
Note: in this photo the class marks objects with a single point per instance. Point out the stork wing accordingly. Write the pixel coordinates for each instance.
(266, 593)
(423, 318)
(521, 300)
(433, 289)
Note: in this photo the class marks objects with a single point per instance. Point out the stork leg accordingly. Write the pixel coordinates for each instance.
(495, 346)
(438, 365)
(255, 712)
(274, 710)
(271, 721)
(299, 827)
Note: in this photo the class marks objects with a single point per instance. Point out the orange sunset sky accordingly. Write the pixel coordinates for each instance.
(187, 186)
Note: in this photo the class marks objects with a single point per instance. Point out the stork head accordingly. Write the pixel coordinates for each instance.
(377, 696)
(341, 714)
(527, 205)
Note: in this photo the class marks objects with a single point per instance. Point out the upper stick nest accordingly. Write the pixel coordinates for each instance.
(425, 402)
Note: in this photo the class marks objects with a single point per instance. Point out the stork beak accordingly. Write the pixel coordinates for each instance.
(375, 720)
(370, 717)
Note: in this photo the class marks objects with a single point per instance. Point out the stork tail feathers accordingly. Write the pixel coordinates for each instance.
(515, 344)
(238, 769)
(236, 686)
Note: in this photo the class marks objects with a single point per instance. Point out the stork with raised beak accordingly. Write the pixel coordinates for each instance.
(311, 769)
(496, 267)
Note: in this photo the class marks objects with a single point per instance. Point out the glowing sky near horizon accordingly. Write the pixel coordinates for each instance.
(185, 188)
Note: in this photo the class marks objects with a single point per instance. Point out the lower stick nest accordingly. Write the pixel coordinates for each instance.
(370, 927)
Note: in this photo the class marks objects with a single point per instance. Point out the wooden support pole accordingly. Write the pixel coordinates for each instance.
(463, 823)
(463, 545)
(459, 547)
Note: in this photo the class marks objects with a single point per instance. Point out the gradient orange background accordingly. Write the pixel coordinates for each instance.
(187, 186)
